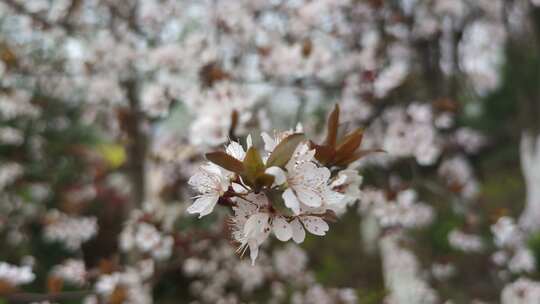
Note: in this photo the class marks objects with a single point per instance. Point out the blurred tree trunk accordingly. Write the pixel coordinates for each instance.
(136, 145)
(530, 164)
(401, 272)
(529, 106)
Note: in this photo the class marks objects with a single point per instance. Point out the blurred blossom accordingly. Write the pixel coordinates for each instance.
(69, 230)
(15, 275)
(521, 291)
(465, 242)
(481, 54)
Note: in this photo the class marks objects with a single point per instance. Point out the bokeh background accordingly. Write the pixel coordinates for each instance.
(107, 108)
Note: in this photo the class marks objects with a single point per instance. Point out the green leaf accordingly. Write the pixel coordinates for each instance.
(333, 124)
(284, 150)
(264, 180)
(253, 165)
(226, 161)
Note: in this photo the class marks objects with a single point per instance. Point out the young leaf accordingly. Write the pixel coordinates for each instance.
(324, 154)
(253, 164)
(226, 161)
(350, 143)
(264, 180)
(333, 124)
(284, 150)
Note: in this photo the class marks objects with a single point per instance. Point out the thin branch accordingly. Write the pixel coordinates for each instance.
(24, 297)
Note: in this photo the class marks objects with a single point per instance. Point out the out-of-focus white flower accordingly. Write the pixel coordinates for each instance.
(410, 132)
(9, 172)
(131, 280)
(470, 140)
(402, 274)
(404, 211)
(214, 108)
(71, 231)
(465, 242)
(521, 291)
(155, 101)
(443, 271)
(390, 78)
(522, 261)
(459, 176)
(506, 233)
(482, 54)
(11, 136)
(147, 237)
(16, 105)
(15, 275)
(164, 249)
(348, 182)
(290, 261)
(72, 271)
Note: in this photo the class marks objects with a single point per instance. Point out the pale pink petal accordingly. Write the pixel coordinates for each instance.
(253, 251)
(298, 232)
(315, 225)
(308, 196)
(239, 188)
(291, 201)
(278, 174)
(269, 142)
(282, 229)
(203, 205)
(257, 226)
(235, 150)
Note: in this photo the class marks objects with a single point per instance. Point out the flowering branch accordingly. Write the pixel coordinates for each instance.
(287, 190)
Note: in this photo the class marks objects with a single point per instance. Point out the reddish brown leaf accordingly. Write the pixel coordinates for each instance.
(234, 124)
(333, 124)
(226, 161)
(350, 143)
(324, 154)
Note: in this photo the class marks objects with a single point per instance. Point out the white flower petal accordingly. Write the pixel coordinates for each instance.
(249, 141)
(314, 176)
(269, 142)
(235, 150)
(315, 225)
(257, 226)
(253, 251)
(239, 188)
(291, 201)
(282, 229)
(278, 174)
(308, 196)
(203, 205)
(298, 232)
(333, 198)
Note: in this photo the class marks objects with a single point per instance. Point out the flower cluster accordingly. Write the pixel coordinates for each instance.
(69, 230)
(294, 186)
(513, 252)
